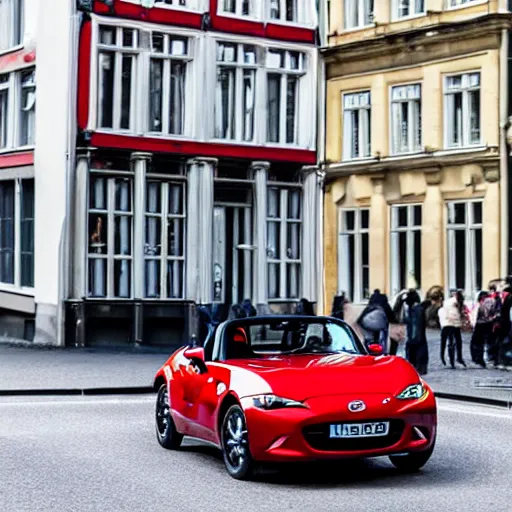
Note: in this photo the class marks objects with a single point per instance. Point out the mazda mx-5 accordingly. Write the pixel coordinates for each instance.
(293, 388)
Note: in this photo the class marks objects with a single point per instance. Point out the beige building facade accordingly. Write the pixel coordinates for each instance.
(416, 158)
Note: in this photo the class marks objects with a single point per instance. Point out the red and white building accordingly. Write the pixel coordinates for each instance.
(175, 165)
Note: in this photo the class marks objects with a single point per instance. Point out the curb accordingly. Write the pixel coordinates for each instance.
(141, 390)
(475, 400)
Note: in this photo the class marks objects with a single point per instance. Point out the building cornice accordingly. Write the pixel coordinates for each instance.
(487, 158)
(417, 38)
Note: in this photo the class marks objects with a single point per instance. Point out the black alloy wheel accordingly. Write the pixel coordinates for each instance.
(413, 461)
(235, 444)
(166, 432)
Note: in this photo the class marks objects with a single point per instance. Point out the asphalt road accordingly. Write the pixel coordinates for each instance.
(88, 454)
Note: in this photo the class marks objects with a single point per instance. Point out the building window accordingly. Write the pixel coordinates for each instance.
(4, 111)
(456, 3)
(164, 250)
(236, 7)
(110, 237)
(406, 118)
(118, 50)
(358, 13)
(11, 23)
(354, 254)
(406, 8)
(465, 246)
(284, 225)
(17, 233)
(405, 247)
(167, 84)
(462, 110)
(235, 92)
(285, 69)
(357, 125)
(173, 3)
(284, 10)
(27, 132)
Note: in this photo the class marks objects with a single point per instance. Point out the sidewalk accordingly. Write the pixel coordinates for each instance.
(473, 381)
(43, 368)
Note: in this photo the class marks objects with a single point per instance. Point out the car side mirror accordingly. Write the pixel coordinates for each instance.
(375, 349)
(195, 354)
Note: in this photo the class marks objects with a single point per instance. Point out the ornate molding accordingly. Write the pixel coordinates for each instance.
(491, 172)
(433, 176)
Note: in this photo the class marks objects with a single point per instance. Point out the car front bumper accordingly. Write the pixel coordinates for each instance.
(303, 434)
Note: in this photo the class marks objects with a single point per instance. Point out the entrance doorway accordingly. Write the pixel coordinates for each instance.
(232, 253)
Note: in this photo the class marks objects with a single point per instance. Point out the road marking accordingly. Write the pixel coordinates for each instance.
(112, 401)
(475, 410)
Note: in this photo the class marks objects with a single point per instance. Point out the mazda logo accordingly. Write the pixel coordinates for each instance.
(356, 406)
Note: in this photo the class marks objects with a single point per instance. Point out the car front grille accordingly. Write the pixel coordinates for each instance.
(317, 436)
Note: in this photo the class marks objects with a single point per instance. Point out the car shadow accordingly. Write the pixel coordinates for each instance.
(358, 473)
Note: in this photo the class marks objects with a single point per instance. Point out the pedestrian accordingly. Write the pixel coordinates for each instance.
(441, 313)
(505, 328)
(484, 318)
(375, 320)
(416, 348)
(338, 306)
(456, 315)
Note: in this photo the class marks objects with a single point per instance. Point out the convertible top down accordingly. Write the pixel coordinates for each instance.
(294, 388)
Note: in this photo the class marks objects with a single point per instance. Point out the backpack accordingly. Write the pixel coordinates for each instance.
(488, 310)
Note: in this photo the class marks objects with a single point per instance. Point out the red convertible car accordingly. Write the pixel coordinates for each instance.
(293, 388)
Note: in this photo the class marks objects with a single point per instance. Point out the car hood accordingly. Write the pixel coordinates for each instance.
(300, 377)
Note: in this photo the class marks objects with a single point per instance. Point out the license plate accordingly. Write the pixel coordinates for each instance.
(352, 430)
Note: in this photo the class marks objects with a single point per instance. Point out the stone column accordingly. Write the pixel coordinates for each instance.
(80, 234)
(140, 164)
(378, 235)
(199, 278)
(491, 225)
(260, 175)
(433, 233)
(310, 234)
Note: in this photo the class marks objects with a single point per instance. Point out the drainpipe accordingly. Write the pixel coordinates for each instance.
(321, 149)
(504, 221)
(66, 240)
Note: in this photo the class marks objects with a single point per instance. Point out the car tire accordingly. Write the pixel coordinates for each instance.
(235, 444)
(166, 432)
(411, 462)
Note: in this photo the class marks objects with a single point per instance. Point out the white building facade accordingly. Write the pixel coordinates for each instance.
(175, 152)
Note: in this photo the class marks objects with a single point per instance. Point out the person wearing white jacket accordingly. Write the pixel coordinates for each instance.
(454, 317)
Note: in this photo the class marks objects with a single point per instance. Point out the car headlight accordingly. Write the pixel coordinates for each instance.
(271, 402)
(412, 392)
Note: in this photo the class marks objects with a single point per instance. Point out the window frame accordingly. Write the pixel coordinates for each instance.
(196, 5)
(360, 128)
(14, 112)
(361, 6)
(142, 88)
(17, 286)
(168, 59)
(239, 67)
(419, 126)
(395, 10)
(282, 220)
(358, 292)
(18, 23)
(410, 231)
(285, 72)
(111, 213)
(470, 286)
(164, 217)
(451, 6)
(466, 123)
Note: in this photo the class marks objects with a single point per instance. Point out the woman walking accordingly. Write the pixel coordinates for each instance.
(416, 347)
(456, 315)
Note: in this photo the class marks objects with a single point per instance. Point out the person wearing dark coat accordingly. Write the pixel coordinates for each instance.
(375, 320)
(416, 348)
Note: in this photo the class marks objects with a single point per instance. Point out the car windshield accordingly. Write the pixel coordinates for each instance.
(301, 337)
